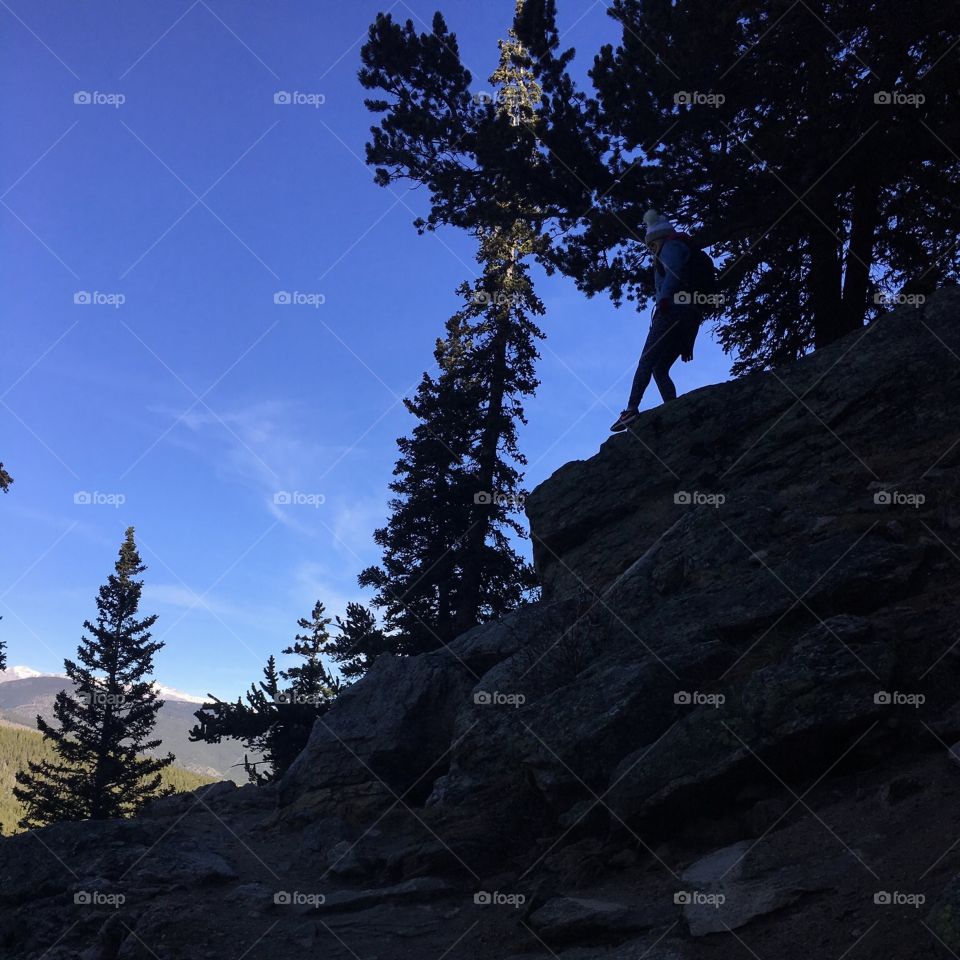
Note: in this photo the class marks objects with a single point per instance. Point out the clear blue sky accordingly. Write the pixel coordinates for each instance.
(198, 398)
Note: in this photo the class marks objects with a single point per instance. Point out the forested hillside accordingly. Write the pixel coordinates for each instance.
(20, 744)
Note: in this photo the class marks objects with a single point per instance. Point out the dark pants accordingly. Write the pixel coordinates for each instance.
(665, 342)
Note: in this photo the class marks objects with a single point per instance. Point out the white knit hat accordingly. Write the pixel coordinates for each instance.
(658, 226)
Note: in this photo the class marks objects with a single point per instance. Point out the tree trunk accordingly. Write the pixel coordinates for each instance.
(471, 568)
(863, 226)
(825, 302)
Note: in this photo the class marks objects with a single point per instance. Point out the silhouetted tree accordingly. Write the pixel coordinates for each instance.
(277, 717)
(448, 563)
(103, 728)
(813, 144)
(5, 479)
(358, 643)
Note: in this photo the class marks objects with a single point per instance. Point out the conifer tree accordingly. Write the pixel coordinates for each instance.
(358, 643)
(448, 561)
(5, 479)
(279, 712)
(811, 146)
(103, 727)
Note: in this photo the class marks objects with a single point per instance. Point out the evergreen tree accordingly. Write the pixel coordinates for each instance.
(5, 479)
(814, 143)
(358, 643)
(823, 187)
(448, 563)
(277, 717)
(103, 729)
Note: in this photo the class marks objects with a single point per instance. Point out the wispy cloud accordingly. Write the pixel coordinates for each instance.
(313, 581)
(184, 598)
(265, 447)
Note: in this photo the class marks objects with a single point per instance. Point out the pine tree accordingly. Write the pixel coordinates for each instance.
(103, 728)
(277, 717)
(812, 145)
(5, 479)
(358, 643)
(448, 562)
(416, 581)
(503, 336)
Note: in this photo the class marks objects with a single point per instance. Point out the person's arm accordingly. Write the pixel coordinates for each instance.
(674, 256)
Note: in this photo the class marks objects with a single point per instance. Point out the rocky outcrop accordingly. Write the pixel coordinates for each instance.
(794, 450)
(730, 710)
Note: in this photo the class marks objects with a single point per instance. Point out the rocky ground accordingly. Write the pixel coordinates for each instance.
(725, 732)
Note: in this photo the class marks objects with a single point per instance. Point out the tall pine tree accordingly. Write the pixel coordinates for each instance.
(103, 728)
(448, 561)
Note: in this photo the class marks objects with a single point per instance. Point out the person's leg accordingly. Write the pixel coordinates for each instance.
(661, 370)
(661, 374)
(658, 343)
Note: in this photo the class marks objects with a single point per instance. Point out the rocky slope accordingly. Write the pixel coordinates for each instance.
(725, 731)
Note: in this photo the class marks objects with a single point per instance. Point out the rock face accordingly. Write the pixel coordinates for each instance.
(731, 709)
(791, 452)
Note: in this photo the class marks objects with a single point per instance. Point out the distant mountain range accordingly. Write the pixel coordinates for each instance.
(25, 692)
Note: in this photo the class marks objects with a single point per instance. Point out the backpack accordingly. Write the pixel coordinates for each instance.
(700, 274)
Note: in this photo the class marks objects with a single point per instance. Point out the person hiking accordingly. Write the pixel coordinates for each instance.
(676, 317)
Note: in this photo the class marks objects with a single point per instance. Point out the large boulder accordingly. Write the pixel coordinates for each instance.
(874, 408)
(388, 736)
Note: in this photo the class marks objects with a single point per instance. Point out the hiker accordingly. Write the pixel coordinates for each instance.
(676, 320)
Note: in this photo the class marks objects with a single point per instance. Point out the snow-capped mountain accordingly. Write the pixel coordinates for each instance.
(25, 692)
(27, 673)
(22, 673)
(171, 693)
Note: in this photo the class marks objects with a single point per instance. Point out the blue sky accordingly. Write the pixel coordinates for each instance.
(183, 398)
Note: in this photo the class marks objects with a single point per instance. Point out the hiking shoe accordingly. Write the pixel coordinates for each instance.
(624, 420)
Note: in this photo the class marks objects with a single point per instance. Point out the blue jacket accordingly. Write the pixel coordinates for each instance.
(668, 269)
